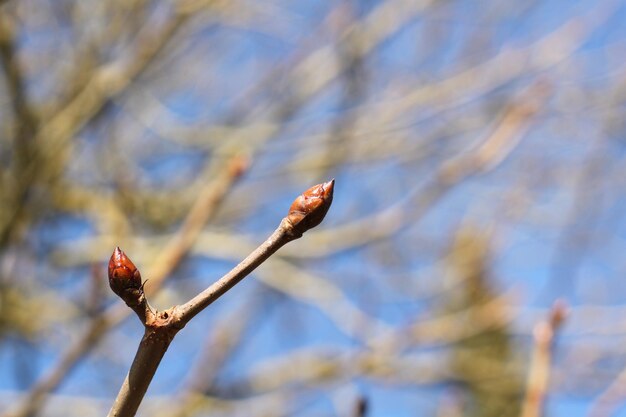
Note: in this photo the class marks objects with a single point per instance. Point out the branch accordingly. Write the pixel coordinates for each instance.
(306, 212)
(24, 123)
(541, 361)
(153, 346)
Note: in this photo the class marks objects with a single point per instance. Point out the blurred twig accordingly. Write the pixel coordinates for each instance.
(541, 361)
(199, 214)
(501, 141)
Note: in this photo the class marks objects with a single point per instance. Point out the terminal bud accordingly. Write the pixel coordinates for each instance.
(124, 277)
(309, 209)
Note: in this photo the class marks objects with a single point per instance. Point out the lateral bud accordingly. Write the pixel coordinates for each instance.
(310, 208)
(124, 278)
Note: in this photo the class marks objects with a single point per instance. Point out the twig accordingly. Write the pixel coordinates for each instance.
(153, 346)
(307, 211)
(161, 332)
(541, 361)
(24, 125)
(507, 133)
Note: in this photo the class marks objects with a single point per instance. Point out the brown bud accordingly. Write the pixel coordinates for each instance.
(123, 274)
(309, 209)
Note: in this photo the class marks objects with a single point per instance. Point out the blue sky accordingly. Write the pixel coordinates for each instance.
(559, 186)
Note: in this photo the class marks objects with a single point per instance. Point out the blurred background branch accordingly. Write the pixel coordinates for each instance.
(478, 155)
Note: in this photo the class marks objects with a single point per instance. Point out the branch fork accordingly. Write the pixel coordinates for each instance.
(307, 211)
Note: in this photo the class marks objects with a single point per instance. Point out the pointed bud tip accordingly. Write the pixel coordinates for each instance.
(117, 253)
(329, 188)
(118, 258)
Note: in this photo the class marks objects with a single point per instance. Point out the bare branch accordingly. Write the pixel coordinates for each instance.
(541, 361)
(307, 211)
